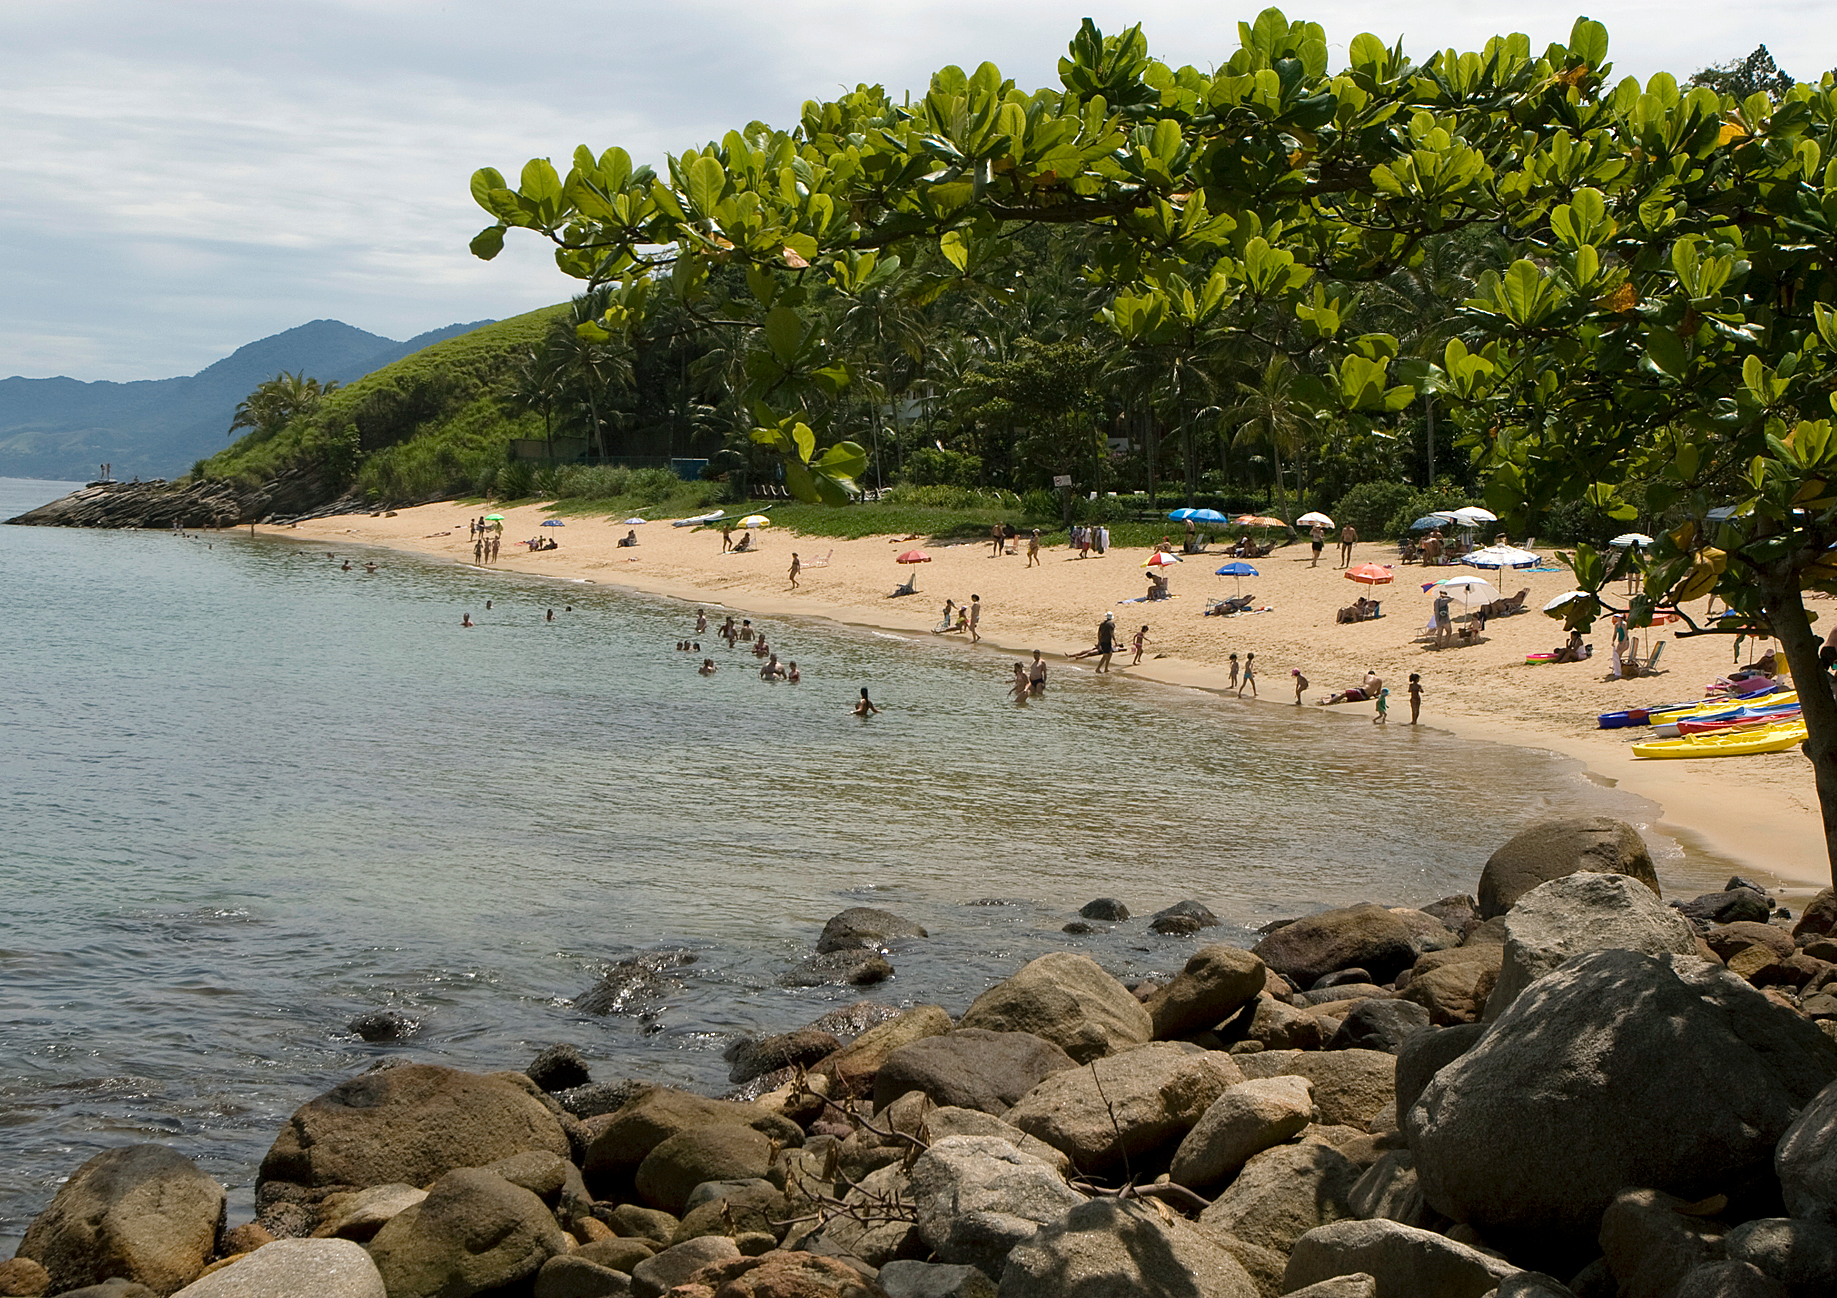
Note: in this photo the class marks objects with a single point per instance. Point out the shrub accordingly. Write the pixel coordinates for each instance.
(514, 481)
(1370, 507)
(929, 467)
(1040, 503)
(1435, 500)
(653, 486)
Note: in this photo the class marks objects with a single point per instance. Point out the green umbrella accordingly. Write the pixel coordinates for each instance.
(494, 518)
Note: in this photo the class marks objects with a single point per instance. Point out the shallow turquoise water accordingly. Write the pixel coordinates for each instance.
(250, 795)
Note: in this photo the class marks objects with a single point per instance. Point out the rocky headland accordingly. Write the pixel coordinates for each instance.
(212, 502)
(1560, 1085)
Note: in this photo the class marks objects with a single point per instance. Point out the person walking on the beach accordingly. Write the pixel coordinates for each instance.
(1317, 538)
(1348, 536)
(1383, 708)
(995, 541)
(1036, 675)
(1033, 549)
(1141, 642)
(727, 537)
(1622, 635)
(797, 566)
(975, 617)
(865, 707)
(1232, 683)
(1301, 684)
(1250, 676)
(1444, 620)
(1415, 696)
(1106, 641)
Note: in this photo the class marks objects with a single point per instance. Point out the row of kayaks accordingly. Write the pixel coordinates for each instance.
(1772, 737)
(1660, 714)
(1760, 721)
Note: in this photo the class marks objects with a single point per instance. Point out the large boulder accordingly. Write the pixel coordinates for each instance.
(1367, 936)
(413, 1123)
(1730, 1280)
(1282, 1194)
(294, 1268)
(1351, 1087)
(977, 1197)
(970, 1068)
(779, 1275)
(1553, 849)
(1818, 919)
(757, 1056)
(1379, 1024)
(474, 1232)
(1124, 1105)
(141, 1213)
(1069, 1000)
(1105, 1247)
(1651, 1243)
(1404, 1261)
(863, 928)
(1806, 1160)
(1802, 1255)
(628, 1137)
(1618, 1071)
(1579, 913)
(717, 1153)
(1216, 983)
(1247, 1119)
(659, 1274)
(1454, 985)
(851, 1070)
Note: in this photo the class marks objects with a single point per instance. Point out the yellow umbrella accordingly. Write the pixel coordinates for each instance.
(755, 520)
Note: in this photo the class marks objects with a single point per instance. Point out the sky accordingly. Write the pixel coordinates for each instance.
(180, 178)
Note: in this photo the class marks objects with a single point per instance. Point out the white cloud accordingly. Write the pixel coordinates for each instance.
(183, 178)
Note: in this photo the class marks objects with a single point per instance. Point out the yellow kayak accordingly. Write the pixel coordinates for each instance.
(1727, 743)
(1728, 704)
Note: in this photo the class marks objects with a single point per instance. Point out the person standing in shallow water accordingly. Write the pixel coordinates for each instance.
(1415, 697)
(1384, 708)
(1301, 684)
(1106, 641)
(864, 706)
(975, 617)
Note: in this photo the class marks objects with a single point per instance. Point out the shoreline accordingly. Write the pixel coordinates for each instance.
(1759, 814)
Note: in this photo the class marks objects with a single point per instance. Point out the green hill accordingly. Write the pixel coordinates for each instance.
(430, 424)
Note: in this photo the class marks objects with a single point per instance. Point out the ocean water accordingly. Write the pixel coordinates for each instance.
(250, 795)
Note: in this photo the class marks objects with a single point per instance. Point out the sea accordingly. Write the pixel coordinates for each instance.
(250, 795)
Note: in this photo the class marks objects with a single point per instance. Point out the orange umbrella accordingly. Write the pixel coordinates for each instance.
(1258, 520)
(1371, 574)
(913, 556)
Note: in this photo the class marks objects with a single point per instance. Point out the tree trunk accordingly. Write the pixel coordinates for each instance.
(1785, 610)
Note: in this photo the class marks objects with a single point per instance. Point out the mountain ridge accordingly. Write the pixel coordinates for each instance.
(66, 428)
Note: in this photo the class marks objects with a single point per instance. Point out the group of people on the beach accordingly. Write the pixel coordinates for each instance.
(962, 617)
(487, 535)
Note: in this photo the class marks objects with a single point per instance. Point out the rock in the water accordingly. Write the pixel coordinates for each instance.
(1125, 1105)
(1188, 909)
(657, 1275)
(851, 1021)
(1650, 1244)
(756, 1056)
(977, 1197)
(1802, 1255)
(294, 1268)
(1282, 1194)
(1728, 907)
(376, 1026)
(851, 1070)
(1216, 983)
(142, 1213)
(1106, 1247)
(970, 1069)
(1405, 1262)
(912, 1279)
(1174, 925)
(1554, 849)
(1351, 1087)
(559, 1068)
(660, 1113)
(596, 1098)
(862, 928)
(1247, 1119)
(1576, 914)
(1108, 909)
(1078, 928)
(1069, 1000)
(410, 1124)
(1730, 1280)
(633, 986)
(854, 968)
(1593, 1082)
(1314, 946)
(677, 1165)
(1806, 1160)
(474, 1232)
(1379, 1025)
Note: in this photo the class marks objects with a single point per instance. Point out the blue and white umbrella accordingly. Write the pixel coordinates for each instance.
(553, 522)
(1427, 521)
(1502, 556)
(1240, 570)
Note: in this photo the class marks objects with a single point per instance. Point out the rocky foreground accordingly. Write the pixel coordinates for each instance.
(1562, 1076)
(218, 502)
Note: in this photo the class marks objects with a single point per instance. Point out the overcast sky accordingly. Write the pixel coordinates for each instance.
(184, 177)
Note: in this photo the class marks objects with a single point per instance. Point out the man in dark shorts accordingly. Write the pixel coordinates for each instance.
(1106, 641)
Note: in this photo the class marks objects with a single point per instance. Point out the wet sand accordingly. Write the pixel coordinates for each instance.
(1759, 811)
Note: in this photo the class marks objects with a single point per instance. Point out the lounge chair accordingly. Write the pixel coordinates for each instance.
(1233, 604)
(821, 561)
(1508, 605)
(910, 588)
(1650, 666)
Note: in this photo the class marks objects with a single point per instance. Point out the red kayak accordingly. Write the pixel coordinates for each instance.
(1733, 723)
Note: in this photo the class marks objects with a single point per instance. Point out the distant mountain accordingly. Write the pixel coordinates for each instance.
(157, 428)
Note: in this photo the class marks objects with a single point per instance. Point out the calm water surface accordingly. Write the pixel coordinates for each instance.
(249, 795)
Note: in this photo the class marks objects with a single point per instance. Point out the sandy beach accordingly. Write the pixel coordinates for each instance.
(1759, 812)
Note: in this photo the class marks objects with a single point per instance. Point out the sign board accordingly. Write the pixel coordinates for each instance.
(1062, 480)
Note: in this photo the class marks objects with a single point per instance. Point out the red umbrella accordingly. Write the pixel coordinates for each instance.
(1161, 559)
(913, 556)
(1371, 574)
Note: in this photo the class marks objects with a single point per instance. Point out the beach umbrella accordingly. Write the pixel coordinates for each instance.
(1209, 516)
(1428, 521)
(494, 518)
(1239, 570)
(1161, 559)
(913, 556)
(553, 522)
(755, 520)
(1313, 518)
(1502, 556)
(1558, 606)
(1631, 540)
(1473, 516)
(1370, 574)
(633, 521)
(1259, 520)
(1472, 590)
(1181, 515)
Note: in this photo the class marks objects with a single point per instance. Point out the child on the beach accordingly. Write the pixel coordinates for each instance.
(1250, 676)
(1232, 683)
(1415, 696)
(1301, 683)
(1383, 708)
(1141, 641)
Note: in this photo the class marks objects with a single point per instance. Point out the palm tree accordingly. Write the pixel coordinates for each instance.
(588, 370)
(278, 401)
(1269, 412)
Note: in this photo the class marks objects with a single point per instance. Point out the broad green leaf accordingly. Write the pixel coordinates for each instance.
(706, 180)
(955, 247)
(488, 242)
(784, 333)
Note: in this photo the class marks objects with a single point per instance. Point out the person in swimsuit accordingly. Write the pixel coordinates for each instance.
(1301, 683)
(1036, 675)
(465, 620)
(864, 707)
(1317, 538)
(1348, 535)
(771, 671)
(1232, 683)
(792, 674)
(1415, 696)
(975, 617)
(1033, 549)
(1383, 713)
(797, 566)
(1141, 643)
(707, 668)
(1020, 687)
(1250, 676)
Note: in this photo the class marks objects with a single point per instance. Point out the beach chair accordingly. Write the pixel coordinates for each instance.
(1508, 605)
(821, 561)
(1650, 666)
(910, 588)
